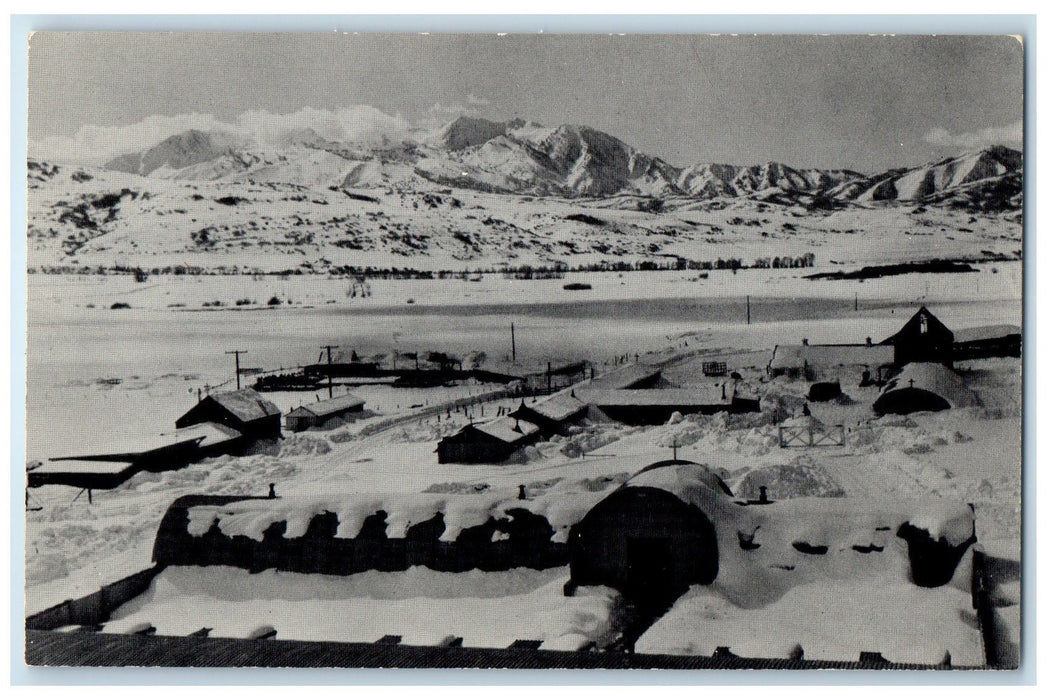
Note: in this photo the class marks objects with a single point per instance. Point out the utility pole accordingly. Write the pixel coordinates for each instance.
(330, 381)
(856, 301)
(512, 335)
(237, 353)
(748, 315)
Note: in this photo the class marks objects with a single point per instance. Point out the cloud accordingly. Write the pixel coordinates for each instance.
(478, 101)
(98, 144)
(1010, 135)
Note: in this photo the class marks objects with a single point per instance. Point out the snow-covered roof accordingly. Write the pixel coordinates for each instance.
(246, 404)
(209, 433)
(935, 378)
(558, 407)
(329, 406)
(799, 356)
(970, 335)
(562, 506)
(625, 377)
(507, 429)
(81, 466)
(682, 478)
(702, 395)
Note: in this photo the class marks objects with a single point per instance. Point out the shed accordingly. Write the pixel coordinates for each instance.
(923, 338)
(924, 386)
(316, 414)
(650, 538)
(493, 441)
(814, 362)
(244, 410)
(553, 414)
(1002, 340)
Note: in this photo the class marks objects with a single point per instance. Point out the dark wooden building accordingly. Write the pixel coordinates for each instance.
(245, 411)
(656, 406)
(316, 414)
(646, 541)
(493, 441)
(987, 341)
(553, 415)
(923, 338)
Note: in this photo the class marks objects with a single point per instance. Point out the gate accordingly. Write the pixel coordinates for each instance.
(811, 436)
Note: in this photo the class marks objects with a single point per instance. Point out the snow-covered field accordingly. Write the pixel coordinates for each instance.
(102, 378)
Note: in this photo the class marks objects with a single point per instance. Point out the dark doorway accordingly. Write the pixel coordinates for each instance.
(648, 567)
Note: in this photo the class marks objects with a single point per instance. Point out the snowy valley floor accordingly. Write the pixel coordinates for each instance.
(160, 355)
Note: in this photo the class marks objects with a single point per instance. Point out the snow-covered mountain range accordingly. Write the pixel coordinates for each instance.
(484, 192)
(519, 157)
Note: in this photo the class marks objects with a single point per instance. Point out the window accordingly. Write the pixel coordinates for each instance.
(923, 325)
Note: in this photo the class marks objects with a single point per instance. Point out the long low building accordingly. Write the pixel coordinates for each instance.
(167, 452)
(316, 414)
(655, 406)
(814, 362)
(1002, 340)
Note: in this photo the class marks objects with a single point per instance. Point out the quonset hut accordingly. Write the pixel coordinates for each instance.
(647, 541)
(924, 386)
(244, 411)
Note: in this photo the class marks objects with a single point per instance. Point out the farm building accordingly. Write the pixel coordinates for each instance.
(987, 341)
(316, 414)
(244, 411)
(924, 386)
(830, 362)
(923, 338)
(553, 414)
(493, 441)
(645, 540)
(655, 406)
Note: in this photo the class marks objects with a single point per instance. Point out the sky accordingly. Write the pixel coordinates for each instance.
(859, 102)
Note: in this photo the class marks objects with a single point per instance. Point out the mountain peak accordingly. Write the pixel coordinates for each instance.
(466, 132)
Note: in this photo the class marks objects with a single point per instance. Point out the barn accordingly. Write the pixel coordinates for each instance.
(316, 414)
(244, 411)
(648, 538)
(1003, 340)
(553, 414)
(923, 338)
(493, 441)
(924, 386)
(830, 362)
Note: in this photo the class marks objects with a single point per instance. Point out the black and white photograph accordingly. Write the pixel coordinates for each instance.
(524, 351)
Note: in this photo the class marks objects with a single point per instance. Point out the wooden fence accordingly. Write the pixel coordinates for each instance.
(811, 436)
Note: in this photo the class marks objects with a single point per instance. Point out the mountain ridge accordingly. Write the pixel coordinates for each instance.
(571, 160)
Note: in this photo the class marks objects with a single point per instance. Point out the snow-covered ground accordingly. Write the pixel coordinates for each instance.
(423, 607)
(101, 378)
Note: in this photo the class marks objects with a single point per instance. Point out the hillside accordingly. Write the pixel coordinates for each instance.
(479, 193)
